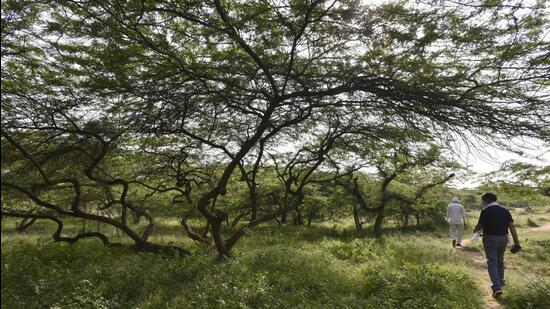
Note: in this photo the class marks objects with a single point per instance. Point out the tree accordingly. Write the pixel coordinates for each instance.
(519, 184)
(528, 176)
(228, 82)
(392, 162)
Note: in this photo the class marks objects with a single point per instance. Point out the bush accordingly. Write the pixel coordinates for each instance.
(532, 295)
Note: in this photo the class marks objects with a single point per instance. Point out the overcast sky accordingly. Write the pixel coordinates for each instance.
(487, 164)
(482, 159)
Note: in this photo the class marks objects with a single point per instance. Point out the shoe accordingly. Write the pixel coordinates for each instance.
(459, 245)
(454, 243)
(497, 293)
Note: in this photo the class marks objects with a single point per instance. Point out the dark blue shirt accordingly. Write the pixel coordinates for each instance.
(495, 220)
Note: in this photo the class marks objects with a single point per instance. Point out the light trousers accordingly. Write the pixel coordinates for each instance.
(457, 230)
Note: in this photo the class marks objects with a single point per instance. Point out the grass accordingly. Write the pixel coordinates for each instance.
(322, 266)
(529, 293)
(531, 223)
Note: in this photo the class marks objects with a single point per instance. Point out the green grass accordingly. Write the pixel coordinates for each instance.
(323, 266)
(88, 275)
(529, 293)
(531, 223)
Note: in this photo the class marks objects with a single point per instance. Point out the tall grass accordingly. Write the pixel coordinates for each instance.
(324, 266)
(289, 267)
(528, 293)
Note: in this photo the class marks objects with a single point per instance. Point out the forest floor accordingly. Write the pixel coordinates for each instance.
(326, 265)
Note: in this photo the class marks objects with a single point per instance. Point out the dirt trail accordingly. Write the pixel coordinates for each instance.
(480, 266)
(478, 260)
(543, 228)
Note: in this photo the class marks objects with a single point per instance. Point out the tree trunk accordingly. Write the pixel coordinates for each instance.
(378, 222)
(311, 215)
(356, 219)
(24, 224)
(284, 217)
(216, 225)
(298, 220)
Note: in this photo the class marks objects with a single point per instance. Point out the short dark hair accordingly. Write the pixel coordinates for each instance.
(489, 197)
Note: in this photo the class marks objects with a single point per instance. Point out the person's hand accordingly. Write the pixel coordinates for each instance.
(515, 248)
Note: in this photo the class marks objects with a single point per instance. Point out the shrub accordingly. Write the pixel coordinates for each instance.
(419, 286)
(532, 295)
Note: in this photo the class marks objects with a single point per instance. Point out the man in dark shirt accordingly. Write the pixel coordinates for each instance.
(495, 221)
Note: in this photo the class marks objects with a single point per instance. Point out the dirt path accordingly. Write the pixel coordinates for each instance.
(543, 228)
(480, 266)
(477, 257)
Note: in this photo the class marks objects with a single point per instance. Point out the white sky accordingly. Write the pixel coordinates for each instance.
(479, 163)
(483, 159)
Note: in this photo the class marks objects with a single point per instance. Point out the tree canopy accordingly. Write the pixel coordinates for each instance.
(120, 101)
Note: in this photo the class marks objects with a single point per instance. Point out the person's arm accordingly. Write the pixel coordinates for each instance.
(478, 228)
(464, 216)
(514, 233)
(479, 225)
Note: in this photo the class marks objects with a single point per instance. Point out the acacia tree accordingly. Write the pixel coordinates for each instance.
(231, 81)
(519, 184)
(525, 176)
(392, 161)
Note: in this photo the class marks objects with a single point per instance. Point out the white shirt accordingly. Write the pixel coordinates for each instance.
(491, 204)
(456, 214)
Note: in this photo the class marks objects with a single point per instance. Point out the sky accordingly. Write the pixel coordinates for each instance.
(483, 159)
(480, 163)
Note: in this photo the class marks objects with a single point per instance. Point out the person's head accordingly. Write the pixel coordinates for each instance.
(488, 198)
(455, 199)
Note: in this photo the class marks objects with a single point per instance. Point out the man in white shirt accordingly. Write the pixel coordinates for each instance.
(456, 216)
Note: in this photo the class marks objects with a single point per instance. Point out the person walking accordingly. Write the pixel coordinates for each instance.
(495, 221)
(456, 216)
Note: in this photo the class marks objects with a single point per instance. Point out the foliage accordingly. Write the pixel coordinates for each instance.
(112, 110)
(534, 294)
(278, 268)
(529, 181)
(514, 196)
(326, 264)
